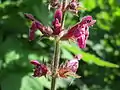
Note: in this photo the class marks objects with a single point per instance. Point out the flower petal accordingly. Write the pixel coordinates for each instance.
(34, 62)
(81, 41)
(29, 16)
(58, 14)
(92, 23)
(32, 30)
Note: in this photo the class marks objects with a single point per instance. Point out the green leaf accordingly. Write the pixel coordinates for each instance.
(89, 4)
(63, 82)
(30, 83)
(12, 82)
(89, 58)
(20, 81)
(66, 54)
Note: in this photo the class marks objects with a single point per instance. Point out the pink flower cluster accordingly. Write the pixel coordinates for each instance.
(78, 32)
(68, 69)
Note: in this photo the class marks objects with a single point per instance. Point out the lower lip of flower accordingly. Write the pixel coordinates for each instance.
(92, 22)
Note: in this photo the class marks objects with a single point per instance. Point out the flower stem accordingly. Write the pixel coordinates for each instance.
(55, 63)
(64, 9)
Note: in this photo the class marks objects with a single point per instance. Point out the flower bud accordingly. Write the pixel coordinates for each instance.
(40, 69)
(73, 5)
(32, 30)
(37, 25)
(58, 14)
(57, 22)
(57, 27)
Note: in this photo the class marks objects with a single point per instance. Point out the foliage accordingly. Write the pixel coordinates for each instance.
(16, 51)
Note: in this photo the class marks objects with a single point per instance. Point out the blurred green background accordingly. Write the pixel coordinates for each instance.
(99, 66)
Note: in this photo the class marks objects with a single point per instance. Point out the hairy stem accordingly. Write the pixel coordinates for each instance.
(55, 63)
(64, 9)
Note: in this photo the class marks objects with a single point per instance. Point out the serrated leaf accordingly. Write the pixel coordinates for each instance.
(90, 58)
(89, 4)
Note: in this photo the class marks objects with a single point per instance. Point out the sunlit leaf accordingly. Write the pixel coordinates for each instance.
(30, 83)
(66, 54)
(89, 4)
(90, 58)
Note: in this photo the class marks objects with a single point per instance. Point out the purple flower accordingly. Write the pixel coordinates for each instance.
(58, 14)
(80, 32)
(57, 27)
(57, 21)
(47, 31)
(73, 6)
(70, 68)
(32, 30)
(74, 63)
(37, 25)
(40, 69)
